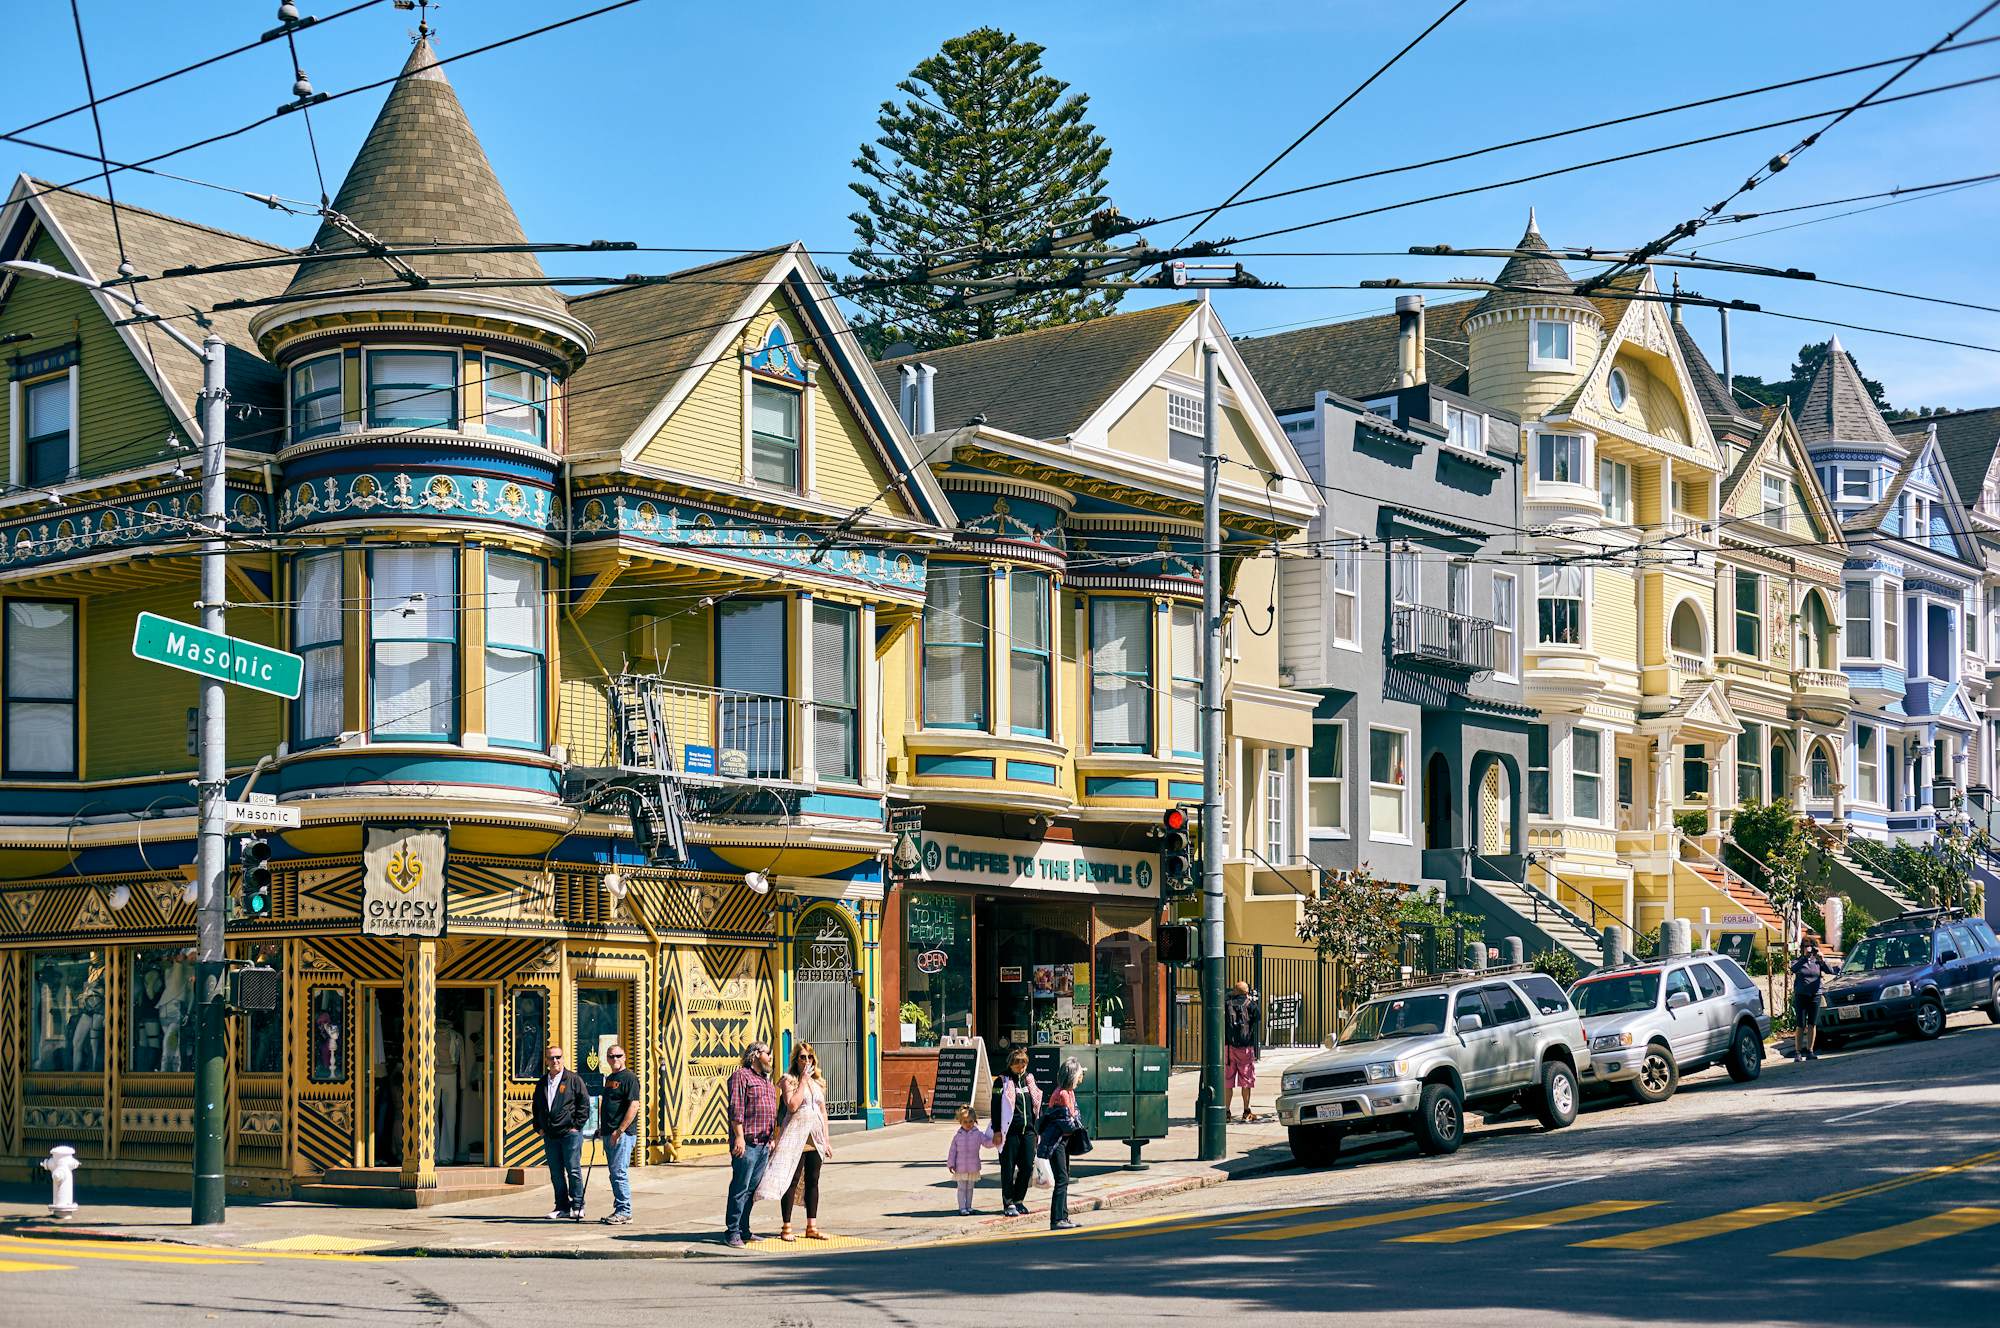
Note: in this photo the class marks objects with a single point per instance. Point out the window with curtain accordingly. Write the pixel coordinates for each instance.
(1858, 603)
(774, 435)
(1867, 758)
(45, 447)
(1749, 614)
(955, 630)
(413, 630)
(1028, 668)
(1586, 768)
(1559, 458)
(1346, 588)
(317, 620)
(1538, 769)
(517, 401)
(39, 677)
(1505, 611)
(836, 692)
(412, 389)
(316, 397)
(1405, 579)
(751, 668)
(1184, 697)
(516, 653)
(1614, 491)
(1121, 675)
(1388, 784)
(1750, 764)
(1559, 605)
(1326, 778)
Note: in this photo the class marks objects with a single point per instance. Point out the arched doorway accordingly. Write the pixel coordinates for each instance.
(1496, 811)
(1819, 773)
(1437, 802)
(1781, 770)
(827, 1000)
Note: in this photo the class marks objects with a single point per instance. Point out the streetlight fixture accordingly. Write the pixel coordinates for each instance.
(211, 774)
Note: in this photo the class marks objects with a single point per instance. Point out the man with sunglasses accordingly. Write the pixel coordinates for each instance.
(561, 1106)
(618, 1128)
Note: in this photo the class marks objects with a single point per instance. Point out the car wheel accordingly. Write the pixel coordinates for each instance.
(1658, 1075)
(1993, 1005)
(1440, 1119)
(1314, 1145)
(1929, 1022)
(1555, 1100)
(1746, 1055)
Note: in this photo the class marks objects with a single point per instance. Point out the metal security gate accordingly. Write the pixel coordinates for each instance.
(829, 1009)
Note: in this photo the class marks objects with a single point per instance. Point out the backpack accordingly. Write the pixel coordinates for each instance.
(1237, 1016)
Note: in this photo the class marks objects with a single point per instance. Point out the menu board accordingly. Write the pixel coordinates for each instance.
(963, 1077)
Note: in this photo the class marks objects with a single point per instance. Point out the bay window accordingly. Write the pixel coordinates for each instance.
(1326, 778)
(1559, 605)
(836, 692)
(45, 445)
(316, 404)
(1184, 691)
(1750, 764)
(1278, 806)
(413, 628)
(1028, 653)
(1614, 491)
(1892, 621)
(752, 648)
(38, 677)
(1867, 756)
(1121, 674)
(1749, 614)
(412, 389)
(317, 618)
(1388, 784)
(1559, 458)
(955, 628)
(1550, 345)
(516, 652)
(1586, 773)
(1858, 615)
(517, 401)
(774, 435)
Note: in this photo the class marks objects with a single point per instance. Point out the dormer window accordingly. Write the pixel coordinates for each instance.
(1774, 501)
(1856, 485)
(412, 389)
(774, 435)
(1464, 429)
(517, 402)
(316, 397)
(1551, 347)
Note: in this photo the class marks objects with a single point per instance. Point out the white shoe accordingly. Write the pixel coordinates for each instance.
(558, 1214)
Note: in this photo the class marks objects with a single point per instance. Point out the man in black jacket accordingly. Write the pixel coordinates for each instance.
(562, 1105)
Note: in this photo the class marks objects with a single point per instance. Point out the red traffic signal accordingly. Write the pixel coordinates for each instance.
(1175, 818)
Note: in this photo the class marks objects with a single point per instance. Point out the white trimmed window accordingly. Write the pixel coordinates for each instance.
(955, 622)
(413, 630)
(1506, 631)
(1028, 653)
(1326, 779)
(1775, 500)
(1121, 674)
(1618, 389)
(317, 622)
(1464, 429)
(1750, 763)
(774, 435)
(1187, 425)
(1184, 696)
(1406, 578)
(1586, 774)
(1614, 491)
(1346, 589)
(1867, 764)
(517, 402)
(1749, 614)
(1277, 808)
(39, 671)
(1388, 784)
(516, 653)
(45, 447)
(1559, 605)
(1858, 618)
(1559, 458)
(1892, 621)
(1856, 484)
(1551, 345)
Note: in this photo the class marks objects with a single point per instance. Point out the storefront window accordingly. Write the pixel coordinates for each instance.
(264, 1030)
(1045, 981)
(531, 1029)
(66, 995)
(937, 966)
(329, 1035)
(163, 1004)
(1126, 972)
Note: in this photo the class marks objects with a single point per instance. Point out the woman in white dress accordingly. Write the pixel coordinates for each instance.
(802, 1143)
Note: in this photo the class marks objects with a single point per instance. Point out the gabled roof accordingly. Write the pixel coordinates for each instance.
(1355, 358)
(1045, 383)
(1837, 407)
(1714, 396)
(81, 226)
(1535, 266)
(421, 177)
(1915, 449)
(1777, 431)
(1967, 439)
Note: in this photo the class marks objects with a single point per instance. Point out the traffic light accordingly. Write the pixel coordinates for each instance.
(1178, 873)
(253, 862)
(1178, 946)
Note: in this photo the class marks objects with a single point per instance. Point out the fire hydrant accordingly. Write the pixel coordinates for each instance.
(61, 1164)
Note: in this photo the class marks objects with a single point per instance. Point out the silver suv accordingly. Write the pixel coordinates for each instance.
(1652, 1021)
(1416, 1057)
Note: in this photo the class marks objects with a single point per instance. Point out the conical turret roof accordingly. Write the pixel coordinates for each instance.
(1837, 406)
(1533, 266)
(421, 177)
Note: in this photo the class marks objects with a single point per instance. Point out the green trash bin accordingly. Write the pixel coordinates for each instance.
(1113, 1118)
(1151, 1067)
(1114, 1069)
(1149, 1116)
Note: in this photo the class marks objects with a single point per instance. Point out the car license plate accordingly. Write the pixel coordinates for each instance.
(1850, 1012)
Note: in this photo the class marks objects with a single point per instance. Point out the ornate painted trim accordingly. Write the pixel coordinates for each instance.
(518, 502)
(159, 517)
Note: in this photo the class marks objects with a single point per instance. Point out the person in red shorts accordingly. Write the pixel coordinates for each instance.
(1241, 1023)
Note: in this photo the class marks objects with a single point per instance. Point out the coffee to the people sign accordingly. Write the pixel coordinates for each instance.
(1045, 865)
(403, 881)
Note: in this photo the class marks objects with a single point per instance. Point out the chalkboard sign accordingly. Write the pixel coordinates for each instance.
(963, 1077)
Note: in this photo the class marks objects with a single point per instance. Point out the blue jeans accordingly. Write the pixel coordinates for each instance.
(744, 1173)
(564, 1154)
(617, 1163)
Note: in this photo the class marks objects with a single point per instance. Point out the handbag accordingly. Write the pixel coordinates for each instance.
(1045, 1174)
(1079, 1141)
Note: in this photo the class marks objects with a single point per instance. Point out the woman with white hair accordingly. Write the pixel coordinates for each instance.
(1061, 1126)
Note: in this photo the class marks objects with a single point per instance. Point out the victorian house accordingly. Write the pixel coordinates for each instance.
(592, 595)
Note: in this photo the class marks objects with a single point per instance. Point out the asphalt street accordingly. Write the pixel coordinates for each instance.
(1860, 1189)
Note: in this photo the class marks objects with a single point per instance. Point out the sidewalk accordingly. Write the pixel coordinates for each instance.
(883, 1187)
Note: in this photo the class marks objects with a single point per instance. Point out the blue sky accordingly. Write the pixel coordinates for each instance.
(696, 126)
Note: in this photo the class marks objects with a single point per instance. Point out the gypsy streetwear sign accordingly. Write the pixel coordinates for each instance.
(1036, 864)
(402, 890)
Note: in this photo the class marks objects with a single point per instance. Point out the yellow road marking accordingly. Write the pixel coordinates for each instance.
(1356, 1223)
(1900, 1237)
(1721, 1224)
(138, 1256)
(1501, 1226)
(1915, 1177)
(168, 1252)
(1174, 1226)
(318, 1245)
(23, 1266)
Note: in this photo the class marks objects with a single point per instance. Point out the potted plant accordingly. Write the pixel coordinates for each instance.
(916, 1021)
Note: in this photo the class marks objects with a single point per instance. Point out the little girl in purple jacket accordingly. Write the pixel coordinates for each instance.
(962, 1158)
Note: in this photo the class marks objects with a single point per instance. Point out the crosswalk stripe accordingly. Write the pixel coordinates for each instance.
(73, 1250)
(1700, 1228)
(1174, 1226)
(1306, 1229)
(1501, 1226)
(1900, 1237)
(24, 1266)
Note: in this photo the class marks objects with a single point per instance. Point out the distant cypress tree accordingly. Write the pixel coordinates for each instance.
(1792, 391)
(987, 152)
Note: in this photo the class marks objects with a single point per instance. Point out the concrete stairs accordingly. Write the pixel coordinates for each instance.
(381, 1187)
(1531, 915)
(1868, 888)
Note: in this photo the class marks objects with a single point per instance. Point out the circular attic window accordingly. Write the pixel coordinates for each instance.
(1620, 390)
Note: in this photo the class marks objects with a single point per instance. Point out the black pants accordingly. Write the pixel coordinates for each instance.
(1059, 1197)
(1017, 1167)
(809, 1168)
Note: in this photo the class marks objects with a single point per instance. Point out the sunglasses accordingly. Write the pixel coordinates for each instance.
(614, 1055)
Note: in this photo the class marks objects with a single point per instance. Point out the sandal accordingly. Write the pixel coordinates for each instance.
(785, 1232)
(814, 1233)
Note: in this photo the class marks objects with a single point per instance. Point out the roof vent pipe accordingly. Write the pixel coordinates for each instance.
(926, 398)
(906, 399)
(1409, 340)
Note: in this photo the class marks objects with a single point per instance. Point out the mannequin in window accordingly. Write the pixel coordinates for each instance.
(450, 1059)
(173, 1006)
(146, 1031)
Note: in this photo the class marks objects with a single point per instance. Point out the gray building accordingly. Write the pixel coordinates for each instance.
(1408, 620)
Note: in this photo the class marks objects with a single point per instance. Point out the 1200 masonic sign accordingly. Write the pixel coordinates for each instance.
(181, 645)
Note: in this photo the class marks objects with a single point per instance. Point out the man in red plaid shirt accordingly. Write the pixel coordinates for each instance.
(753, 1112)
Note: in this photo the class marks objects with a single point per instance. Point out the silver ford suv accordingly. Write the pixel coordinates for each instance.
(1416, 1057)
(1652, 1021)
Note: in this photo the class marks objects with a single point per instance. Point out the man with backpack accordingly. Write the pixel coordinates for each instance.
(1242, 1021)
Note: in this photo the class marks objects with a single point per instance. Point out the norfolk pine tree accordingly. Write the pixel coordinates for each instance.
(987, 152)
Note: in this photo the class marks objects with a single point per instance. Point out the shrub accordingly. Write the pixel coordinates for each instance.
(1558, 964)
(1691, 822)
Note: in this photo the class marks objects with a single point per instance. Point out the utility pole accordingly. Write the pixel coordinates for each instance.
(1212, 1106)
(212, 848)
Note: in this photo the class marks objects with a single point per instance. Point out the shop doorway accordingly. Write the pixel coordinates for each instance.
(829, 1008)
(464, 1062)
(383, 1139)
(1040, 954)
(600, 1022)
(1437, 802)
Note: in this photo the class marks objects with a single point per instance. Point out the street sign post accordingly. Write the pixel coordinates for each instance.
(259, 816)
(181, 645)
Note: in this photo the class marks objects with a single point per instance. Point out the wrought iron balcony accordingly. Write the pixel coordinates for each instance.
(1441, 639)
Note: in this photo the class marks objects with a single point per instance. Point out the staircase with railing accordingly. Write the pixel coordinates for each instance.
(1731, 884)
(1536, 914)
(1875, 892)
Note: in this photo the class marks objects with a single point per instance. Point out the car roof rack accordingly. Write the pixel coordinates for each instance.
(1914, 917)
(1655, 962)
(1452, 977)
